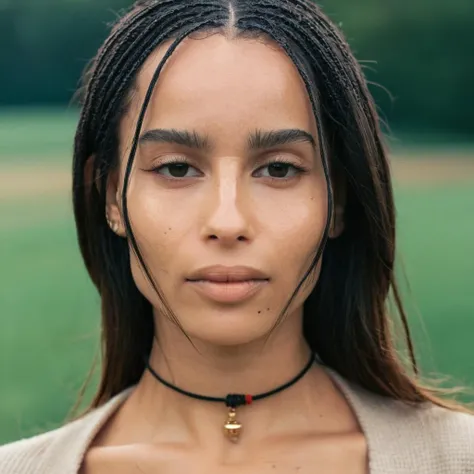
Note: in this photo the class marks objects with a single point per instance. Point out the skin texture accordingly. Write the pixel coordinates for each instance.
(189, 223)
(229, 211)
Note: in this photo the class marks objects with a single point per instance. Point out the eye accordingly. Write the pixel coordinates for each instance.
(176, 170)
(279, 170)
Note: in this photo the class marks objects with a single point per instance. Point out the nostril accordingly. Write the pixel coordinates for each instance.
(240, 238)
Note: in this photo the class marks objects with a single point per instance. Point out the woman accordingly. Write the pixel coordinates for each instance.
(234, 210)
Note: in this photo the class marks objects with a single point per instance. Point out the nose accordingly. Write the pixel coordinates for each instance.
(228, 217)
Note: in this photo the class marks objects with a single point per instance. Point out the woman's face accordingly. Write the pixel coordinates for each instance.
(227, 174)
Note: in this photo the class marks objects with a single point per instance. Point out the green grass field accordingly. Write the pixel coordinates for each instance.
(49, 312)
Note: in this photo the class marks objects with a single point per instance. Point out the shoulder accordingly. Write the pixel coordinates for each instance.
(23, 456)
(412, 438)
(434, 438)
(439, 439)
(446, 436)
(59, 451)
(427, 422)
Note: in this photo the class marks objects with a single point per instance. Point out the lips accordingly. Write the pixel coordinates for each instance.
(228, 284)
(223, 274)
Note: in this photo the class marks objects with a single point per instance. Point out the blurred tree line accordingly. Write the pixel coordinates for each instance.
(421, 52)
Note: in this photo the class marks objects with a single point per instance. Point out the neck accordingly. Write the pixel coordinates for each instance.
(217, 371)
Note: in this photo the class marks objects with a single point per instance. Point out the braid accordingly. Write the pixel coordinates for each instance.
(133, 51)
(136, 54)
(344, 111)
(319, 55)
(320, 25)
(123, 29)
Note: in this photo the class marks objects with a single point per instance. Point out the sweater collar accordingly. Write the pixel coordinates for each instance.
(66, 452)
(387, 424)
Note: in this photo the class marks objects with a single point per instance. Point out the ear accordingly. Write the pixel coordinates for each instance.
(340, 196)
(113, 212)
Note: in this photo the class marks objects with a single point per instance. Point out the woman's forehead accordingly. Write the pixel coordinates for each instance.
(223, 82)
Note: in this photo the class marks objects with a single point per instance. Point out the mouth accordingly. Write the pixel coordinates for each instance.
(228, 284)
(225, 280)
(228, 292)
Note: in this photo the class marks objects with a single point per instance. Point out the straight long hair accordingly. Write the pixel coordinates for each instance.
(346, 317)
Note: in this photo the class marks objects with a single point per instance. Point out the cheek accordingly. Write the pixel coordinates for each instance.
(297, 221)
(156, 216)
(295, 228)
(158, 229)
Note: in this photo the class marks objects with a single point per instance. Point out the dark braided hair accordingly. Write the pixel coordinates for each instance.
(346, 321)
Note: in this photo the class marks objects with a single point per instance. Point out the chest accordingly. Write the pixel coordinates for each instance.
(331, 455)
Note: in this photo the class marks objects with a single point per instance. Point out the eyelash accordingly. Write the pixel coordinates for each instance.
(299, 170)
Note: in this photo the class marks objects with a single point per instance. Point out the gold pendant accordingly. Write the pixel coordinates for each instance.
(232, 426)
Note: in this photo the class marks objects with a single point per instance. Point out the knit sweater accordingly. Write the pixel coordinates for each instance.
(401, 439)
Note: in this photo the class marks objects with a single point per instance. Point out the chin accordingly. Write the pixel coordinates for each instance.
(228, 329)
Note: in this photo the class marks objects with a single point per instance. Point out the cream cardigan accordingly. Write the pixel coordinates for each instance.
(401, 439)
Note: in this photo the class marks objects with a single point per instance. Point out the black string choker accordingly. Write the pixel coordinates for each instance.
(233, 400)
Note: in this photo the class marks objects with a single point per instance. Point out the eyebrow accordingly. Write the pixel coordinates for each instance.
(258, 140)
(177, 137)
(270, 139)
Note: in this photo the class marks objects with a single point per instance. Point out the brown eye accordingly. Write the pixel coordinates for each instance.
(278, 170)
(176, 170)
